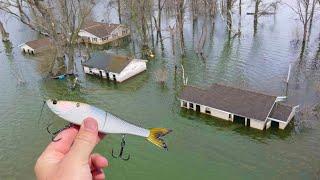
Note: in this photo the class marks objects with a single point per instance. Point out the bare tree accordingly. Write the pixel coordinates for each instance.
(60, 20)
(172, 33)
(158, 22)
(208, 11)
(179, 5)
(255, 19)
(302, 9)
(261, 9)
(312, 14)
(240, 18)
(138, 16)
(229, 17)
(4, 33)
(119, 10)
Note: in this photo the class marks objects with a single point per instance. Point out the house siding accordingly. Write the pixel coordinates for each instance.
(118, 33)
(213, 112)
(27, 49)
(133, 68)
(257, 124)
(254, 123)
(282, 125)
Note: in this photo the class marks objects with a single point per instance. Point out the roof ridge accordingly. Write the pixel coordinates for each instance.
(243, 89)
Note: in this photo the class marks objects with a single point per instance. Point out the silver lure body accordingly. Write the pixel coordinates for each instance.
(76, 112)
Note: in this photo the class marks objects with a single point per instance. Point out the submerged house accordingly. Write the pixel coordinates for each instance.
(36, 46)
(102, 33)
(249, 108)
(113, 67)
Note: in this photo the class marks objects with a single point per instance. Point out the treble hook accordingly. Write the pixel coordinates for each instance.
(122, 145)
(54, 134)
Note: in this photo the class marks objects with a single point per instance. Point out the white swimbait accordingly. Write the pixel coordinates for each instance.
(76, 112)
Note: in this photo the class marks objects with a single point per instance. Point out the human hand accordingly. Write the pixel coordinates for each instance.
(70, 157)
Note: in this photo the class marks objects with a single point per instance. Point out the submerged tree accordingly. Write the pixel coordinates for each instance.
(255, 16)
(229, 17)
(60, 20)
(261, 9)
(304, 11)
(180, 8)
(4, 33)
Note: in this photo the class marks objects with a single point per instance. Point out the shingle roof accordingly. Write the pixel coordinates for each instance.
(99, 29)
(108, 62)
(39, 43)
(281, 112)
(241, 102)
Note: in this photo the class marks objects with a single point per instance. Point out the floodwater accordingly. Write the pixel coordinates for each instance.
(200, 147)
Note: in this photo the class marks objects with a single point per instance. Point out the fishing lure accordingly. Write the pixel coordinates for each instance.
(76, 112)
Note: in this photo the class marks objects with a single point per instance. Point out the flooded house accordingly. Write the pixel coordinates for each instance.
(36, 46)
(114, 67)
(253, 109)
(102, 33)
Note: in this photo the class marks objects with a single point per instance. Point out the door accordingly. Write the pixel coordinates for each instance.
(114, 77)
(239, 119)
(190, 106)
(248, 122)
(275, 124)
(107, 74)
(100, 73)
(198, 108)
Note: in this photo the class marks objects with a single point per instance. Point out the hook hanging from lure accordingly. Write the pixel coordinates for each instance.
(76, 112)
(122, 145)
(54, 134)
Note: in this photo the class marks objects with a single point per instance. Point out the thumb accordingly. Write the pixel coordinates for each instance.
(85, 140)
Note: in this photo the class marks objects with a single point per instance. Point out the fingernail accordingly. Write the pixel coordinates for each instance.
(90, 124)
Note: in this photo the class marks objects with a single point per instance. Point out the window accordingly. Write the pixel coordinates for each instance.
(185, 104)
(191, 105)
(208, 111)
(230, 116)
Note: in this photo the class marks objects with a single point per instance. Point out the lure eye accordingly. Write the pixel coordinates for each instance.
(54, 101)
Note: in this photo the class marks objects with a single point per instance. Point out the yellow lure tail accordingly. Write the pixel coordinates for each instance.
(155, 137)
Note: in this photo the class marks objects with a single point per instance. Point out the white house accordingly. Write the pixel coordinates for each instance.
(256, 110)
(113, 67)
(102, 33)
(36, 46)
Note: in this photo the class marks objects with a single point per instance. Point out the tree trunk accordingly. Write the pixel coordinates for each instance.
(305, 29)
(311, 15)
(239, 23)
(70, 56)
(255, 20)
(304, 39)
(144, 25)
(172, 40)
(119, 10)
(4, 34)
(180, 19)
(229, 17)
(151, 31)
(159, 20)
